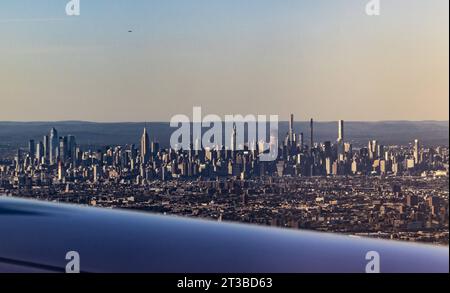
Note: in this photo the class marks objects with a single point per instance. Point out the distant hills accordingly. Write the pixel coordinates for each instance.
(17, 134)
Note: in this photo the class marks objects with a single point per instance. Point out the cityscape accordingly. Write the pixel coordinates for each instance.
(224, 144)
(397, 192)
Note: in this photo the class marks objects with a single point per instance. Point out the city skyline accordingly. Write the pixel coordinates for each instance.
(168, 121)
(327, 186)
(224, 137)
(285, 56)
(358, 133)
(55, 149)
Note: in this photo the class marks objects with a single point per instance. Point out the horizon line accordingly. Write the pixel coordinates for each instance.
(168, 122)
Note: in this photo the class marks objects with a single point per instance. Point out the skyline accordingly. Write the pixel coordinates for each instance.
(224, 137)
(378, 190)
(112, 133)
(168, 122)
(326, 59)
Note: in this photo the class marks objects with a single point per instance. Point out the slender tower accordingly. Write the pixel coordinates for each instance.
(340, 141)
(233, 139)
(417, 151)
(46, 143)
(301, 141)
(311, 146)
(291, 130)
(54, 144)
(341, 130)
(145, 147)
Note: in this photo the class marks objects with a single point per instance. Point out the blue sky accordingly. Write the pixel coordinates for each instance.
(315, 58)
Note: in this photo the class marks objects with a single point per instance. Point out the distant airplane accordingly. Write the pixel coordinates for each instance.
(130, 31)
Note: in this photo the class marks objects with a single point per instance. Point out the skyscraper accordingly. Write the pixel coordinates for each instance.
(233, 139)
(63, 150)
(373, 145)
(39, 151)
(61, 171)
(340, 141)
(71, 146)
(145, 147)
(291, 130)
(97, 172)
(416, 151)
(341, 130)
(301, 141)
(32, 148)
(46, 145)
(311, 146)
(154, 148)
(54, 146)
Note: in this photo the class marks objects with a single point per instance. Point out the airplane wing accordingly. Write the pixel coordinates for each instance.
(36, 236)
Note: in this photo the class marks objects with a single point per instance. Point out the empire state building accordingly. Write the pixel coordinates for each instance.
(145, 147)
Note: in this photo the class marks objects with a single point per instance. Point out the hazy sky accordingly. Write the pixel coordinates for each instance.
(315, 58)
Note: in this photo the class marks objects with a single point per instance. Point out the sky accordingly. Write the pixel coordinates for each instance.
(313, 58)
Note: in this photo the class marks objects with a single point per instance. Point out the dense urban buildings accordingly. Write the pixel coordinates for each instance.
(385, 191)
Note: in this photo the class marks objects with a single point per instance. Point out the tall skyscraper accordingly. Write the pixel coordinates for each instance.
(54, 146)
(61, 171)
(19, 156)
(416, 151)
(301, 141)
(327, 149)
(71, 146)
(145, 147)
(233, 139)
(373, 146)
(63, 149)
(291, 130)
(39, 151)
(97, 173)
(46, 145)
(341, 130)
(311, 146)
(154, 148)
(32, 148)
(340, 141)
